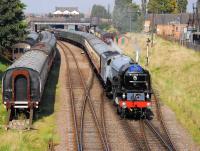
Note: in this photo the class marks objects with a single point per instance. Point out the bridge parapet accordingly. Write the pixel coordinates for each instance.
(60, 20)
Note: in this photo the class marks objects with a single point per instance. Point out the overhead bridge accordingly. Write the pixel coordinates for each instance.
(60, 22)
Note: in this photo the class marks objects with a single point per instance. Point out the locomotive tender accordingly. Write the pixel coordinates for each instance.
(128, 82)
(24, 81)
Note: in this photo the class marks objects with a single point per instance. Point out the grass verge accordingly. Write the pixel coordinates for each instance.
(175, 71)
(44, 123)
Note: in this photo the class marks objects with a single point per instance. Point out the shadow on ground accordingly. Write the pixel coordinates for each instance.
(48, 99)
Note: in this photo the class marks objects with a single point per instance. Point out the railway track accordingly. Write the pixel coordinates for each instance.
(79, 127)
(159, 130)
(15, 123)
(103, 122)
(70, 86)
(159, 136)
(153, 140)
(162, 122)
(135, 136)
(143, 134)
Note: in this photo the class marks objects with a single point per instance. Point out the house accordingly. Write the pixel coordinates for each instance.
(168, 25)
(66, 11)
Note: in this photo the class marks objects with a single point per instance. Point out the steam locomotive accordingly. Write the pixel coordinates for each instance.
(126, 81)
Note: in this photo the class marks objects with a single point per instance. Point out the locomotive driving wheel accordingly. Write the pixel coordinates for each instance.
(121, 112)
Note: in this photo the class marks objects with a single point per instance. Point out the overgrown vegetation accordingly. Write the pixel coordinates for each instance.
(44, 123)
(175, 72)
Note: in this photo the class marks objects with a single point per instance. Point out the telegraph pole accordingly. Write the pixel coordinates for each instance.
(196, 22)
(197, 17)
(130, 23)
(147, 57)
(144, 7)
(108, 11)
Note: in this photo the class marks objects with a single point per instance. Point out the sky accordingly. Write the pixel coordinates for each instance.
(85, 6)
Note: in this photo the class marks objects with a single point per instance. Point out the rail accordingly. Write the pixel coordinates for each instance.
(133, 135)
(142, 129)
(103, 121)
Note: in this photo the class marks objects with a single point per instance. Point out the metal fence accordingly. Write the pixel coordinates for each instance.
(192, 46)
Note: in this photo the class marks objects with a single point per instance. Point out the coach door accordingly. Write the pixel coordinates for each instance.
(21, 86)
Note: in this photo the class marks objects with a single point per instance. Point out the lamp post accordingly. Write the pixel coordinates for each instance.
(130, 12)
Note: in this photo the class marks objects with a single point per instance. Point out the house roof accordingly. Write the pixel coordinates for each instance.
(165, 19)
(66, 12)
(58, 12)
(74, 12)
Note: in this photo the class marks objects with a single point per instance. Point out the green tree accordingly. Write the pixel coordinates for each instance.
(99, 11)
(182, 6)
(162, 6)
(12, 25)
(153, 6)
(127, 16)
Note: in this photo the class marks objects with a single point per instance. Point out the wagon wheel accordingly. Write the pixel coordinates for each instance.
(123, 114)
